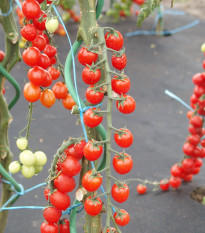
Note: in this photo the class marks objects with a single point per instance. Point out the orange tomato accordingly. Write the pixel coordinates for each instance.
(68, 102)
(47, 98)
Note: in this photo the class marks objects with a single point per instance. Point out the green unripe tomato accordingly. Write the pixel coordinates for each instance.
(40, 158)
(51, 25)
(66, 16)
(28, 172)
(117, 6)
(27, 158)
(38, 169)
(14, 167)
(203, 48)
(22, 143)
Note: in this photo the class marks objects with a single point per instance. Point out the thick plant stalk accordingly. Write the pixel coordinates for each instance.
(11, 58)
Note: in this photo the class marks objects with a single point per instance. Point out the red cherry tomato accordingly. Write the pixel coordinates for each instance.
(70, 151)
(48, 81)
(2, 55)
(31, 92)
(44, 61)
(55, 73)
(49, 228)
(31, 9)
(91, 77)
(122, 164)
(93, 207)
(51, 214)
(91, 182)
(60, 200)
(47, 98)
(122, 218)
(64, 226)
(86, 57)
(120, 86)
(50, 50)
(176, 170)
(126, 106)
(91, 119)
(60, 90)
(164, 185)
(64, 183)
(39, 42)
(114, 41)
(120, 193)
(175, 182)
(119, 62)
(141, 189)
(92, 152)
(123, 138)
(94, 96)
(37, 76)
(40, 25)
(29, 32)
(70, 166)
(31, 56)
(68, 102)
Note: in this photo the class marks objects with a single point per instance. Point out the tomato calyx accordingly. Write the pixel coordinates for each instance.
(96, 89)
(119, 53)
(122, 156)
(120, 185)
(95, 144)
(121, 101)
(119, 214)
(121, 132)
(94, 174)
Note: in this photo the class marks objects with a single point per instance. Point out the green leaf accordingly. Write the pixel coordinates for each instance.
(147, 9)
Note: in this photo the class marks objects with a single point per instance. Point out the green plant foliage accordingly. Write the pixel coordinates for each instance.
(147, 9)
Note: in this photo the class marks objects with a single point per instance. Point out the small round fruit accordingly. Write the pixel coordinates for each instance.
(38, 169)
(51, 25)
(122, 218)
(51, 214)
(28, 172)
(27, 158)
(203, 48)
(114, 41)
(141, 189)
(14, 167)
(31, 92)
(68, 102)
(22, 143)
(40, 158)
(164, 185)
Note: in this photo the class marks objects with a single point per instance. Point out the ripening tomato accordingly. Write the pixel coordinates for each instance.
(92, 152)
(176, 170)
(127, 105)
(141, 189)
(114, 40)
(49, 228)
(47, 98)
(51, 24)
(86, 57)
(31, 9)
(29, 32)
(31, 92)
(39, 42)
(91, 118)
(93, 206)
(91, 77)
(120, 86)
(68, 102)
(31, 56)
(94, 96)
(44, 61)
(37, 75)
(64, 183)
(55, 73)
(119, 62)
(123, 138)
(122, 164)
(175, 182)
(51, 214)
(50, 50)
(189, 114)
(70, 166)
(164, 185)
(60, 90)
(91, 182)
(122, 218)
(120, 193)
(64, 226)
(60, 200)
(196, 121)
(40, 25)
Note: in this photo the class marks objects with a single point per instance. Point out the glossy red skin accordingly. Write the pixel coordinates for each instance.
(113, 42)
(51, 214)
(141, 189)
(119, 62)
(29, 32)
(31, 92)
(53, 60)
(64, 183)
(2, 55)
(31, 56)
(196, 121)
(49, 228)
(113, 230)
(55, 73)
(90, 77)
(78, 147)
(46, 192)
(176, 171)
(31, 9)
(194, 139)
(187, 165)
(128, 106)
(139, 2)
(70, 151)
(195, 170)
(37, 75)
(70, 166)
(91, 153)
(90, 119)
(91, 184)
(48, 81)
(39, 42)
(91, 208)
(187, 178)
(199, 91)
(94, 97)
(203, 64)
(194, 99)
(50, 50)
(65, 227)
(44, 61)
(46, 37)
(164, 185)
(124, 220)
(86, 57)
(198, 79)
(193, 130)
(47, 98)
(60, 200)
(197, 152)
(40, 25)
(188, 148)
(175, 182)
(120, 86)
(198, 162)
(125, 140)
(122, 166)
(60, 90)
(120, 194)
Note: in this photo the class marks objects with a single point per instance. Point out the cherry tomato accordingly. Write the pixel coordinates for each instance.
(187, 165)
(91, 182)
(189, 114)
(123, 138)
(27, 172)
(2, 55)
(187, 178)
(94, 96)
(122, 164)
(49, 228)
(27, 158)
(52, 60)
(176, 170)
(47, 98)
(92, 119)
(194, 139)
(44, 61)
(126, 106)
(120, 86)
(46, 192)
(50, 50)
(64, 226)
(40, 158)
(91, 77)
(40, 25)
(86, 57)
(51, 24)
(113, 230)
(31, 56)
(60, 90)
(199, 91)
(120, 193)
(78, 147)
(119, 62)
(60, 200)
(198, 79)
(198, 162)
(31, 92)
(48, 81)
(175, 182)
(22, 143)
(139, 2)
(164, 185)
(70, 151)
(114, 41)
(70, 166)
(37, 75)
(196, 121)
(29, 32)
(93, 207)
(188, 148)
(64, 183)
(122, 218)
(92, 152)
(68, 102)
(51, 214)
(55, 73)
(141, 189)
(31, 9)
(39, 42)
(14, 167)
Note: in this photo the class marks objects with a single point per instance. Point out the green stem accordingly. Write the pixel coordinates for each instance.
(29, 119)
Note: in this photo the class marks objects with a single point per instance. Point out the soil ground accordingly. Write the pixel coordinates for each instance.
(159, 125)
